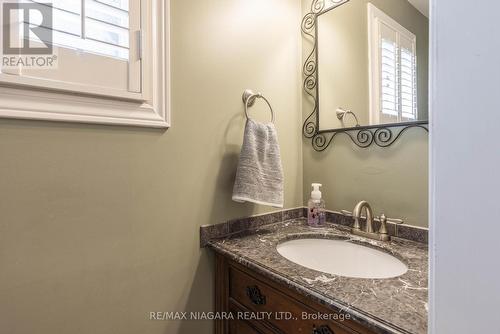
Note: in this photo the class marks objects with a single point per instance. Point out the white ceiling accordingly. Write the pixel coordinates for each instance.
(421, 5)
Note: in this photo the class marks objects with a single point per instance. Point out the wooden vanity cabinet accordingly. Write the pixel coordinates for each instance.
(262, 306)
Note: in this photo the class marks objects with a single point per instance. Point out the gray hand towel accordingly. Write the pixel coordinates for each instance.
(259, 178)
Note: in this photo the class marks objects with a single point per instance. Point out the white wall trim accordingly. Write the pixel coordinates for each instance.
(70, 104)
(464, 161)
(433, 47)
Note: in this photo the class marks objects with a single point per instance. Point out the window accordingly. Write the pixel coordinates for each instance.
(112, 62)
(95, 26)
(393, 70)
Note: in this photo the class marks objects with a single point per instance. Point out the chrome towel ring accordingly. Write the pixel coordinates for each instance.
(249, 98)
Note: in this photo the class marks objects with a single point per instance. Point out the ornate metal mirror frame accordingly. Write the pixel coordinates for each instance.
(383, 135)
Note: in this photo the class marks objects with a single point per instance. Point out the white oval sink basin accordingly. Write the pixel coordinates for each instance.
(341, 257)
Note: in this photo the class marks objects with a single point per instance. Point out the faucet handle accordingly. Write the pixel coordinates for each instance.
(346, 213)
(383, 224)
(395, 221)
(349, 214)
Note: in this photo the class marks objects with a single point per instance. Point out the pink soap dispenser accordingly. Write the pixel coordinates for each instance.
(316, 216)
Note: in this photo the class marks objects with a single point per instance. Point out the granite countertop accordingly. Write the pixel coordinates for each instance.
(394, 305)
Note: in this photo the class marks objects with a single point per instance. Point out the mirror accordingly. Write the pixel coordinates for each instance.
(368, 69)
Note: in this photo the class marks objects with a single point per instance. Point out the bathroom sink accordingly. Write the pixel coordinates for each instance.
(342, 257)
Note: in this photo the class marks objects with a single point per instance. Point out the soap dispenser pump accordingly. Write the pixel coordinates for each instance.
(316, 216)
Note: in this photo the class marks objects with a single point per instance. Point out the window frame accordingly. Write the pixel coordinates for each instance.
(42, 99)
(374, 16)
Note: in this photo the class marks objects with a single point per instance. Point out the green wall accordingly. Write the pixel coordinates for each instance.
(99, 224)
(393, 180)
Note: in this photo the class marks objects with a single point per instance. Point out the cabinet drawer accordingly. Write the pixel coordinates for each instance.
(239, 326)
(257, 296)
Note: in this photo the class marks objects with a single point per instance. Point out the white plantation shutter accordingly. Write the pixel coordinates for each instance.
(388, 65)
(110, 62)
(97, 44)
(408, 77)
(96, 26)
(393, 68)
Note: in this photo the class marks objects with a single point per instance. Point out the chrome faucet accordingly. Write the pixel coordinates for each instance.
(356, 214)
(368, 232)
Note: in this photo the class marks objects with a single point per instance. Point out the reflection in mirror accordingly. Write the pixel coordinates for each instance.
(372, 64)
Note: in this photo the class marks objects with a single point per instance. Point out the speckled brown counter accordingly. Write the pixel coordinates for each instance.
(395, 305)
